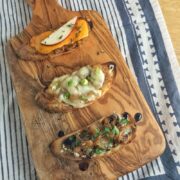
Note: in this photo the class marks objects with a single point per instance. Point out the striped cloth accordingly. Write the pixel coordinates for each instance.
(140, 32)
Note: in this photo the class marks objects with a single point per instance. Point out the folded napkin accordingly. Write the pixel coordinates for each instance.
(141, 34)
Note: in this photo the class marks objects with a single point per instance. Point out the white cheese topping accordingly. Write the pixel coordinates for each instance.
(80, 87)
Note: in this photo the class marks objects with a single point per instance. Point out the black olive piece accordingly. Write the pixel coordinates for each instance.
(83, 166)
(113, 117)
(70, 141)
(138, 117)
(61, 133)
(125, 115)
(91, 25)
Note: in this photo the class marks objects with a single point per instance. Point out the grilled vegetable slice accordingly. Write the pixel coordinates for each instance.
(79, 89)
(100, 138)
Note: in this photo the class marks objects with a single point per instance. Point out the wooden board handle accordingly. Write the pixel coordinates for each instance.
(32, 3)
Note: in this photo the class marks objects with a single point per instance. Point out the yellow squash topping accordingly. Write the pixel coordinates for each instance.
(80, 31)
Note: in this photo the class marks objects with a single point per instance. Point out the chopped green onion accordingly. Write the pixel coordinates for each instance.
(124, 122)
(84, 98)
(66, 95)
(70, 82)
(115, 130)
(106, 130)
(84, 82)
(96, 134)
(99, 151)
(90, 78)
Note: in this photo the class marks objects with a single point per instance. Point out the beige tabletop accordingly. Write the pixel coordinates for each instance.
(171, 11)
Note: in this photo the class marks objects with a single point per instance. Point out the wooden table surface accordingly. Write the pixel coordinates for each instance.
(171, 12)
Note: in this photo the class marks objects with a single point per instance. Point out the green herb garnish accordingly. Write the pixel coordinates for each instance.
(90, 78)
(70, 82)
(84, 82)
(99, 151)
(60, 37)
(70, 25)
(84, 98)
(106, 130)
(66, 95)
(98, 132)
(123, 121)
(115, 130)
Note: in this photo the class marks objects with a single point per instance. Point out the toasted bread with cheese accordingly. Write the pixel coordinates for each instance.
(78, 89)
(39, 49)
(102, 137)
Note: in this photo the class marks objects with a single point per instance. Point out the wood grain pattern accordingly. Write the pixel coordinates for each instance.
(125, 95)
(171, 12)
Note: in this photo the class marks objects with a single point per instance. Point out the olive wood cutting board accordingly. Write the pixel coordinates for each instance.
(125, 95)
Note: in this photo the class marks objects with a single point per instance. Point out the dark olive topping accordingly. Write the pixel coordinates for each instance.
(125, 115)
(113, 117)
(61, 133)
(138, 117)
(83, 166)
(70, 142)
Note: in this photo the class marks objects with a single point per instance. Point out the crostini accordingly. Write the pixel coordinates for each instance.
(59, 41)
(102, 137)
(79, 89)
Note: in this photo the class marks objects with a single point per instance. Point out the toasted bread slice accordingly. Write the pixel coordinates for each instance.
(103, 137)
(35, 50)
(79, 89)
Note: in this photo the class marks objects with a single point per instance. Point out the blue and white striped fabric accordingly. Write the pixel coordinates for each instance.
(140, 32)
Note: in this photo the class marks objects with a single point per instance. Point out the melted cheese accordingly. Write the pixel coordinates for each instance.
(80, 31)
(70, 89)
